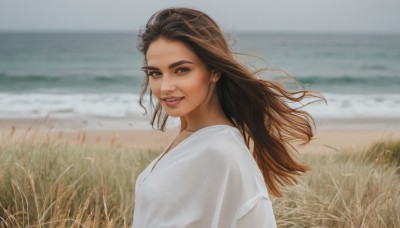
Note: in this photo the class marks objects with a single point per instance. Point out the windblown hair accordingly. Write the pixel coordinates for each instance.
(258, 108)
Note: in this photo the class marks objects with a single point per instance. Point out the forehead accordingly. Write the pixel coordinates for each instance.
(162, 52)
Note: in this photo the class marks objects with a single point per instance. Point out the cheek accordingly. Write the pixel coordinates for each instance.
(200, 85)
(154, 87)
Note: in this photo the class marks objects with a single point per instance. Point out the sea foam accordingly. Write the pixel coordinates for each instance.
(126, 105)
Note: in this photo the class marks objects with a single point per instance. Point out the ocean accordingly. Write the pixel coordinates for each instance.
(88, 76)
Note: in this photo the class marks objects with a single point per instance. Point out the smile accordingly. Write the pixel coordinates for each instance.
(172, 101)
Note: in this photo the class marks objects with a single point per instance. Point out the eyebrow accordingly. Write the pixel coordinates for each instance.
(175, 64)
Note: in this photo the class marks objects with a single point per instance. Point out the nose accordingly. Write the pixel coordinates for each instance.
(167, 84)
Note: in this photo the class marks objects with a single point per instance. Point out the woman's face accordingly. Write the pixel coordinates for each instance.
(178, 78)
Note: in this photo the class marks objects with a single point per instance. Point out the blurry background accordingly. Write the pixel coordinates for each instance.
(76, 61)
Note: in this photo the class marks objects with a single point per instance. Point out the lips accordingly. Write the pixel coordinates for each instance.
(172, 101)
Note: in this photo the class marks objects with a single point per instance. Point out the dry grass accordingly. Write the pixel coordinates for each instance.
(45, 184)
(55, 185)
(345, 189)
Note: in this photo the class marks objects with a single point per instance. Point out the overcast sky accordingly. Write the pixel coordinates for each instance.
(355, 16)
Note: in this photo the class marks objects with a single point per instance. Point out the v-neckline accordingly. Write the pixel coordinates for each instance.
(180, 144)
(169, 150)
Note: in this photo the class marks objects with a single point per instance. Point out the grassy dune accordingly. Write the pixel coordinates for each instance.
(346, 189)
(45, 184)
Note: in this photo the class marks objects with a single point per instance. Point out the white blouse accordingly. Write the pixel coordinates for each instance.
(210, 179)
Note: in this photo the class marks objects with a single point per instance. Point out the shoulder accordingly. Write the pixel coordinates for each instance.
(219, 137)
(223, 143)
(222, 150)
(220, 153)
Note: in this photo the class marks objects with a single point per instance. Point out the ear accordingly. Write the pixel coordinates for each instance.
(215, 75)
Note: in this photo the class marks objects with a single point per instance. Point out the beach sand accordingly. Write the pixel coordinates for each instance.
(327, 139)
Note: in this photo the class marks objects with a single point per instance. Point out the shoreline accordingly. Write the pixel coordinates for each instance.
(330, 136)
(142, 124)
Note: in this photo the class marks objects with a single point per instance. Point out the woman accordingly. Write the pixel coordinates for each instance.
(208, 177)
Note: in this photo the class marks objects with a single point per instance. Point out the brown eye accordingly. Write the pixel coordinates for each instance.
(153, 74)
(182, 70)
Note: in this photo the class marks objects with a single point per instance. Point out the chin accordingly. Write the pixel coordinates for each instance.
(173, 114)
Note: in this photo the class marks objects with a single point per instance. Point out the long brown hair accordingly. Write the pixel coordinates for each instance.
(258, 108)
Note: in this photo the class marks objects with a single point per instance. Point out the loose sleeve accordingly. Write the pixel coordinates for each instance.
(256, 213)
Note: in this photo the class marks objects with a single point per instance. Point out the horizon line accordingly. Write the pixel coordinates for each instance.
(136, 31)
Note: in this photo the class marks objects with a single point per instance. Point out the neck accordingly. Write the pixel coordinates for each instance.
(205, 116)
